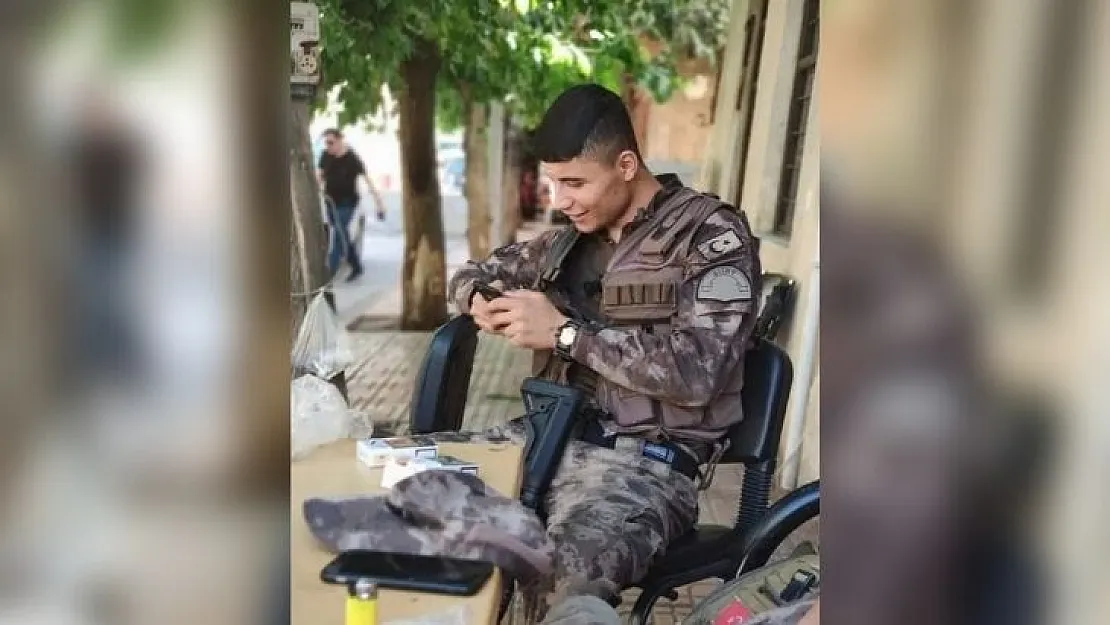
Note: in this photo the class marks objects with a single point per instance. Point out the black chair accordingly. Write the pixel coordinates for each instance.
(782, 519)
(778, 302)
(719, 551)
(439, 397)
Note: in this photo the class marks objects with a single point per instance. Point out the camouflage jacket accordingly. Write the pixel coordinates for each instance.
(670, 370)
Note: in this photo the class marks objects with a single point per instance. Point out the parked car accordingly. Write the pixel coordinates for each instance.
(454, 173)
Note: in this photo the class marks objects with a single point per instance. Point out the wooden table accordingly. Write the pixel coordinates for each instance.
(334, 470)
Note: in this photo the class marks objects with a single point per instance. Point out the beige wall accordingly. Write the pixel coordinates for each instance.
(796, 255)
(722, 138)
(679, 129)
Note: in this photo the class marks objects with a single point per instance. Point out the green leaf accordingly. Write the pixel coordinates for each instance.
(522, 52)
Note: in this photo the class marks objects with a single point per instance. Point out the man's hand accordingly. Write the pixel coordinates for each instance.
(527, 319)
(482, 311)
(380, 213)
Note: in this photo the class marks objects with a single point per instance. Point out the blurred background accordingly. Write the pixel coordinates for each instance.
(144, 171)
(937, 169)
(961, 151)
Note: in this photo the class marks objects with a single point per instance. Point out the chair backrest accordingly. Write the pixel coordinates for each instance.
(439, 397)
(778, 304)
(768, 376)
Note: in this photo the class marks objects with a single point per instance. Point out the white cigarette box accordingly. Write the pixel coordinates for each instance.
(397, 469)
(375, 452)
(452, 463)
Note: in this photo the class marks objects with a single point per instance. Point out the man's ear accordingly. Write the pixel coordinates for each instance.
(629, 164)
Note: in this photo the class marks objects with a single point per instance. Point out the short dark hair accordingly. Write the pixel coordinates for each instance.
(333, 132)
(585, 120)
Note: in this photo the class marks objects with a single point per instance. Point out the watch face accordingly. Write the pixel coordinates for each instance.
(566, 337)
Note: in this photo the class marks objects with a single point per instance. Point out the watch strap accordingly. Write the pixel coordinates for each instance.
(564, 351)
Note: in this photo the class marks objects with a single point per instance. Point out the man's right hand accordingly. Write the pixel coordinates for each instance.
(482, 311)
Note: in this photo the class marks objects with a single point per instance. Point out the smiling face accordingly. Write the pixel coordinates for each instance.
(594, 193)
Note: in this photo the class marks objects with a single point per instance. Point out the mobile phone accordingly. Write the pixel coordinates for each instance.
(487, 291)
(402, 571)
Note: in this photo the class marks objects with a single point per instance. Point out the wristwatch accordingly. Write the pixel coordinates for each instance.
(565, 338)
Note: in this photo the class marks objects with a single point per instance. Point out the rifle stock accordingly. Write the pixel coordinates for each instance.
(551, 414)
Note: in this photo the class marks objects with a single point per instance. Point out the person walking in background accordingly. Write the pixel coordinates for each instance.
(338, 172)
(107, 165)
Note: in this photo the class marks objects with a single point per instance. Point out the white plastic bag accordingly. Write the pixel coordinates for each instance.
(322, 347)
(319, 415)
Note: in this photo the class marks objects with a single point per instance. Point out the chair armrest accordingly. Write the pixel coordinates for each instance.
(785, 516)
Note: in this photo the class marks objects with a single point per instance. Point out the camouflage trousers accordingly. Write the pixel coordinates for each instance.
(582, 610)
(610, 513)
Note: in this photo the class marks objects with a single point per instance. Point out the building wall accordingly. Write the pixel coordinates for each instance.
(674, 135)
(722, 139)
(679, 129)
(796, 255)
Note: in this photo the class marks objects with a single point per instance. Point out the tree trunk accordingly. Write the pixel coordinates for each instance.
(424, 291)
(36, 309)
(308, 249)
(510, 185)
(475, 142)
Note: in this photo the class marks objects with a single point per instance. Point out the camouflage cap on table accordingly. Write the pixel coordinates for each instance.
(435, 512)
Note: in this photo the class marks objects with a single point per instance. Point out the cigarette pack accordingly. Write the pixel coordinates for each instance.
(397, 469)
(452, 463)
(375, 452)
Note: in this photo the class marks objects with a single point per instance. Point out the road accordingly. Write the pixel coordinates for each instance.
(375, 292)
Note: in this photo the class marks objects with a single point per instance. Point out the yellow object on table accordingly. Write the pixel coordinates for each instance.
(334, 470)
(362, 604)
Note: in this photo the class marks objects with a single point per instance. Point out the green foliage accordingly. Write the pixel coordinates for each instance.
(142, 25)
(523, 52)
(450, 107)
(137, 29)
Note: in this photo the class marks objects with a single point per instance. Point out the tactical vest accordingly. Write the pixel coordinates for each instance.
(640, 289)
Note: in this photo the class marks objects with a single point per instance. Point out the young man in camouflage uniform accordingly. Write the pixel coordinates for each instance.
(647, 301)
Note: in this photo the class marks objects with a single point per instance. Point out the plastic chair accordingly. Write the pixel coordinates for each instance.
(439, 397)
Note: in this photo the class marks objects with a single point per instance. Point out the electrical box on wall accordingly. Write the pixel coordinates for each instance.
(304, 39)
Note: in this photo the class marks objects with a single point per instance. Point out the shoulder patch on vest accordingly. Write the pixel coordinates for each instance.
(724, 284)
(720, 245)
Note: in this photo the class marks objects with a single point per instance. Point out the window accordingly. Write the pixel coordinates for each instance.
(802, 93)
(754, 29)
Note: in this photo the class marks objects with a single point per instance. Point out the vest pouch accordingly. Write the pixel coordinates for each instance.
(641, 297)
(636, 412)
(633, 409)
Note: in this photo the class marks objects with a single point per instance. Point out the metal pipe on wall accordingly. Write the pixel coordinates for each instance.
(803, 380)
